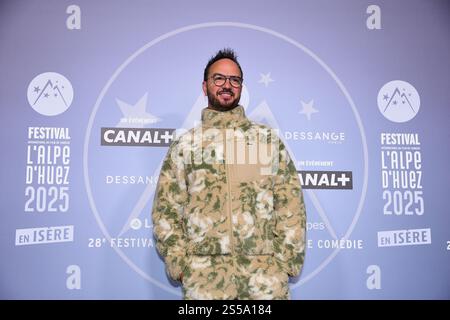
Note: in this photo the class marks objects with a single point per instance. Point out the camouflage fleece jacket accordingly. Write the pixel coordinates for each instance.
(229, 187)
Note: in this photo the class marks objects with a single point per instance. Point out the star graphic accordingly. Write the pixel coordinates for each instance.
(266, 79)
(36, 89)
(385, 97)
(46, 95)
(308, 109)
(136, 111)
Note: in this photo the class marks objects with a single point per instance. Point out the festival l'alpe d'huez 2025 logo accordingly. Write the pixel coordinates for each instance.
(139, 113)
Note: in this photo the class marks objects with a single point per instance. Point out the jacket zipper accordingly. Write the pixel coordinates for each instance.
(229, 203)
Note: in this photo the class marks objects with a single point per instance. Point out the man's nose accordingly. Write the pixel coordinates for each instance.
(227, 83)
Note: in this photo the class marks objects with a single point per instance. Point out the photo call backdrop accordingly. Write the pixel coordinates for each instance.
(93, 93)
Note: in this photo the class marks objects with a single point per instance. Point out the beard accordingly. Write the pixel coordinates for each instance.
(215, 103)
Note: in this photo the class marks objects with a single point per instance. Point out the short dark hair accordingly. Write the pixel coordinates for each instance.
(225, 53)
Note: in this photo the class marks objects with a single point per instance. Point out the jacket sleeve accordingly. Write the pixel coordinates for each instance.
(290, 229)
(168, 206)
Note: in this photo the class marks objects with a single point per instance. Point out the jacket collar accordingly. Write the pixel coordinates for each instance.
(224, 119)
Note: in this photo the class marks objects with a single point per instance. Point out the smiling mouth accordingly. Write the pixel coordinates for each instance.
(229, 94)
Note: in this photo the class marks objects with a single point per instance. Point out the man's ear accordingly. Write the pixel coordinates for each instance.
(204, 88)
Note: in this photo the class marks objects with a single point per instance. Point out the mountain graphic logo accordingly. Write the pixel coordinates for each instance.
(398, 101)
(50, 93)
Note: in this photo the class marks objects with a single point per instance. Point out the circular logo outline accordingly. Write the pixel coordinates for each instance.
(392, 94)
(55, 97)
(310, 192)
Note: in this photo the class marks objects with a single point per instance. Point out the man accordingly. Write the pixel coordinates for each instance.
(228, 214)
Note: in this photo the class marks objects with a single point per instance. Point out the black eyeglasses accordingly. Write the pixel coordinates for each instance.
(219, 80)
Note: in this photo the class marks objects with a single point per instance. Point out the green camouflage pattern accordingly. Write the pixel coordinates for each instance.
(231, 227)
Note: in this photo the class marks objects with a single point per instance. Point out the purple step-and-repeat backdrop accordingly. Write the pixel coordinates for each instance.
(91, 93)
